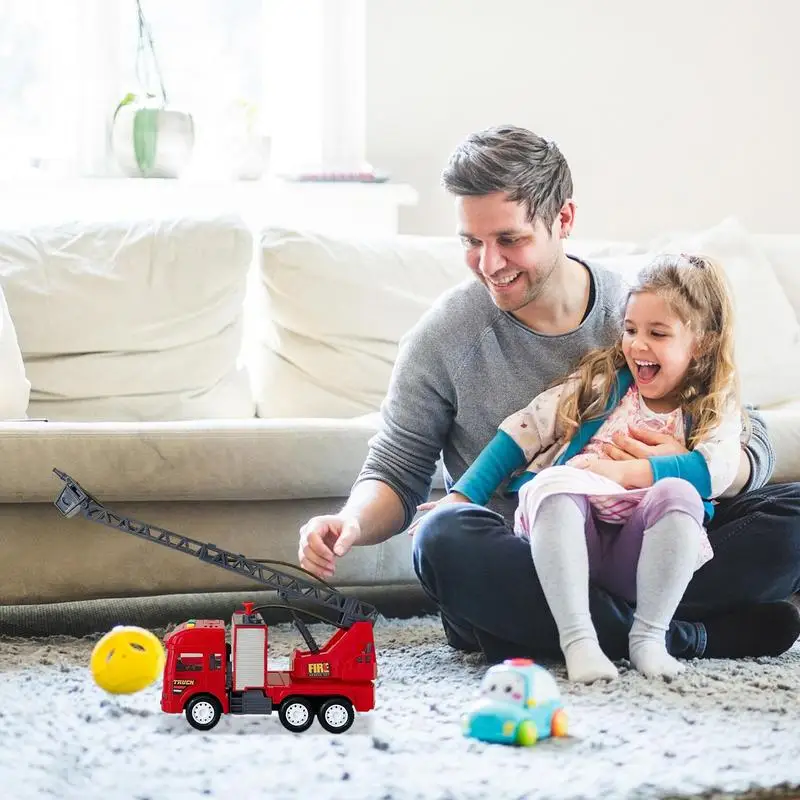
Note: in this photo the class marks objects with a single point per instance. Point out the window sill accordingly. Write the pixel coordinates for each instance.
(326, 206)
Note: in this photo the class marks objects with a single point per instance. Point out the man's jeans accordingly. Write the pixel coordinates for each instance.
(482, 577)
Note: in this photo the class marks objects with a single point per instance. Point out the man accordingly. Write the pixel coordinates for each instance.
(483, 351)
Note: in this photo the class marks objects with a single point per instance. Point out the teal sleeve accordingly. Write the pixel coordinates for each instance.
(494, 464)
(690, 466)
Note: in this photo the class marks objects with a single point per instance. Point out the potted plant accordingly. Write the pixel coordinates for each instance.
(150, 138)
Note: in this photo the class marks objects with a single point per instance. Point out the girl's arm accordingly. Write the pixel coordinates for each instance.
(499, 459)
(521, 436)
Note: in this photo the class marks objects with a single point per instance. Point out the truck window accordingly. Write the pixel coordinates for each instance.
(189, 662)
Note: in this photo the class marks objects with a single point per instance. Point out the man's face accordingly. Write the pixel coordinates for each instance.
(511, 256)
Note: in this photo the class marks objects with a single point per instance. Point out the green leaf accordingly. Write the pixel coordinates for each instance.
(145, 135)
(127, 100)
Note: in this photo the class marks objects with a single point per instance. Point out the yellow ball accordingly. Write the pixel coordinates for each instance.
(127, 659)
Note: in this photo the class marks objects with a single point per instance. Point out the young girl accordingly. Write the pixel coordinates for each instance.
(632, 526)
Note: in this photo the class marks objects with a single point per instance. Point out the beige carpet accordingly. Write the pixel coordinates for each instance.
(720, 729)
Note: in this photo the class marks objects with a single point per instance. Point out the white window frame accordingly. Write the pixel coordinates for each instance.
(329, 37)
(326, 44)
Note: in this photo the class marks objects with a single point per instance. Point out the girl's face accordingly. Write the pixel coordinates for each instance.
(659, 348)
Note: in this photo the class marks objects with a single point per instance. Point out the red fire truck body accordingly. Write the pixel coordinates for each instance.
(206, 676)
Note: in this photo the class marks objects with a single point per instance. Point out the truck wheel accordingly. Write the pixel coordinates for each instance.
(296, 714)
(203, 712)
(336, 715)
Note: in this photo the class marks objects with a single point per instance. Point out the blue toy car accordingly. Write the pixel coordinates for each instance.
(520, 703)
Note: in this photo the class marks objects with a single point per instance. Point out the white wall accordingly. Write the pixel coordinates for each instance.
(670, 114)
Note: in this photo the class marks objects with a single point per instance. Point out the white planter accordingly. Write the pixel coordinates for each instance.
(152, 141)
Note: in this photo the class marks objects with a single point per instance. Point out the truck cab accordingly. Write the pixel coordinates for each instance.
(197, 664)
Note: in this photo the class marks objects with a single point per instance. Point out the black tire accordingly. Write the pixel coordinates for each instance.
(336, 714)
(203, 712)
(296, 714)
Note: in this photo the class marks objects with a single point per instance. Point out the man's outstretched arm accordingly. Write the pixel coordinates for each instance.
(378, 509)
(416, 417)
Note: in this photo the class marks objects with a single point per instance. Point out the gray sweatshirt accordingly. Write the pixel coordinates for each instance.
(465, 366)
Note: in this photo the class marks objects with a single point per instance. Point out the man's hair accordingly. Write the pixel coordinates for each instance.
(528, 168)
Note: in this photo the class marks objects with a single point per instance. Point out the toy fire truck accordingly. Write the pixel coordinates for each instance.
(206, 676)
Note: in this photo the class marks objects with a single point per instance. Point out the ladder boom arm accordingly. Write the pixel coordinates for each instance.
(74, 500)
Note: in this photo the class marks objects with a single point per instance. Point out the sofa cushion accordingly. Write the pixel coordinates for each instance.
(131, 320)
(783, 427)
(187, 460)
(783, 252)
(50, 559)
(330, 312)
(15, 387)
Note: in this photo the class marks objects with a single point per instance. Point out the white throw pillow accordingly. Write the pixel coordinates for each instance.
(783, 252)
(131, 320)
(330, 312)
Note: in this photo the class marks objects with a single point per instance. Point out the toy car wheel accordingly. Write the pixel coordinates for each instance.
(559, 723)
(296, 714)
(336, 715)
(203, 712)
(527, 734)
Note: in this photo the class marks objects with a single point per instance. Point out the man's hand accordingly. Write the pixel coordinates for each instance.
(323, 540)
(643, 443)
(630, 473)
(448, 499)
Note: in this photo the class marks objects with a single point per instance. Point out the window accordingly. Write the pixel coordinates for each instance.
(183, 665)
(38, 84)
(290, 70)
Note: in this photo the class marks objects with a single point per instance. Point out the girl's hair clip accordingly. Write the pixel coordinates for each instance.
(695, 261)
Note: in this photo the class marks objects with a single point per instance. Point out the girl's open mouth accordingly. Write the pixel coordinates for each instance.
(646, 371)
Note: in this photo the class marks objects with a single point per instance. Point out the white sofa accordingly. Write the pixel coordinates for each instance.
(224, 384)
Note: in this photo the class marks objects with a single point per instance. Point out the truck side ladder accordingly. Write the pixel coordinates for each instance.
(73, 500)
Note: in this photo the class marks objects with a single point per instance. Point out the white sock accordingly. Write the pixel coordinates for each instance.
(560, 556)
(666, 564)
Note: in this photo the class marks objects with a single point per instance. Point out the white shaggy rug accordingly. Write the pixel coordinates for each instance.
(720, 729)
